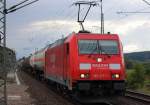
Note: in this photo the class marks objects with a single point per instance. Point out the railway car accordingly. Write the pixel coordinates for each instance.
(24, 64)
(84, 63)
(37, 62)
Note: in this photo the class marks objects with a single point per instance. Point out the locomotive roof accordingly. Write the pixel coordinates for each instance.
(79, 35)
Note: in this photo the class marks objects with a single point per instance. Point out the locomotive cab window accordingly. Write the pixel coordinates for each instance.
(88, 46)
(108, 46)
(98, 47)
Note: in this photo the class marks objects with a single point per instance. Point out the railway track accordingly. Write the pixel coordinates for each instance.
(130, 99)
(63, 96)
(138, 96)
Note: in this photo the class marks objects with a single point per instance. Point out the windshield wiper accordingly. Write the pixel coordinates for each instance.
(95, 49)
(92, 52)
(101, 51)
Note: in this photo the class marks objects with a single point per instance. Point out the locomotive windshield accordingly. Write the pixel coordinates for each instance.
(98, 47)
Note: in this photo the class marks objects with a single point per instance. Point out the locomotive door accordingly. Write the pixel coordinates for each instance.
(66, 62)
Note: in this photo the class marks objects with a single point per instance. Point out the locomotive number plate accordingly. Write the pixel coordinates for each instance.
(100, 66)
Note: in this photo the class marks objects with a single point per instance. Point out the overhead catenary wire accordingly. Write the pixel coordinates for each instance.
(113, 7)
(146, 2)
(14, 6)
(19, 6)
(127, 14)
(69, 16)
(136, 12)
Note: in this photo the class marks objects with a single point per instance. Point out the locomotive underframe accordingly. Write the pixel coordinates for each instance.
(98, 88)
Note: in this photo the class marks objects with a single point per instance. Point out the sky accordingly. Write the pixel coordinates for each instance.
(45, 21)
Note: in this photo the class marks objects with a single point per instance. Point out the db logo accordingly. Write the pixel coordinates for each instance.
(100, 66)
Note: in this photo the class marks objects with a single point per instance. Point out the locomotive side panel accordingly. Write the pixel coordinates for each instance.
(55, 57)
(61, 62)
(71, 59)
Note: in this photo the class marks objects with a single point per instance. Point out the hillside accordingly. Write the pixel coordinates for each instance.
(138, 56)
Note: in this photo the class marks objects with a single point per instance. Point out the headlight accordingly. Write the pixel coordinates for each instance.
(116, 76)
(84, 76)
(99, 59)
(114, 66)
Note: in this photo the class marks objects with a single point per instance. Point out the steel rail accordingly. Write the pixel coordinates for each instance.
(138, 96)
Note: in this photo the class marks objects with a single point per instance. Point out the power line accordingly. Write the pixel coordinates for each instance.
(19, 6)
(130, 14)
(134, 12)
(14, 6)
(146, 2)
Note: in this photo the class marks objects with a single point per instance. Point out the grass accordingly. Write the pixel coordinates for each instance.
(144, 90)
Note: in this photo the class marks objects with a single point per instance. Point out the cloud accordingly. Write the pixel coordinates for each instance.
(50, 30)
(55, 25)
(47, 20)
(140, 36)
(43, 32)
(117, 26)
(131, 48)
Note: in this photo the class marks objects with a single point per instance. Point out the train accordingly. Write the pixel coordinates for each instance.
(87, 63)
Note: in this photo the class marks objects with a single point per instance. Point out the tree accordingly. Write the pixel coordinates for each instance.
(136, 78)
(147, 68)
(129, 63)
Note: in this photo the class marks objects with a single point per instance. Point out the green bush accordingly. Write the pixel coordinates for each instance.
(147, 71)
(147, 68)
(135, 79)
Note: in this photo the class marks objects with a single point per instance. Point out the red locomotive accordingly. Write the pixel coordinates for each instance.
(83, 62)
